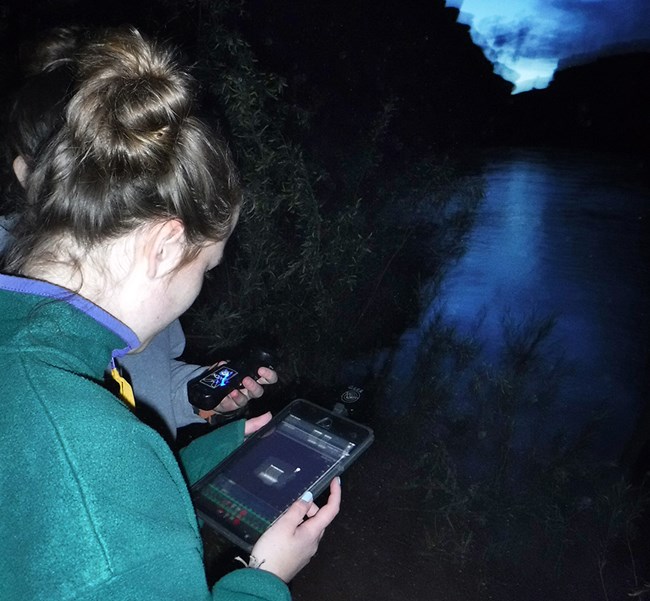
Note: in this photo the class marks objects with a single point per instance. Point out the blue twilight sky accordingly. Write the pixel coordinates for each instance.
(527, 38)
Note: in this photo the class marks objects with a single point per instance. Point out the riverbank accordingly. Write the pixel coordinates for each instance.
(481, 484)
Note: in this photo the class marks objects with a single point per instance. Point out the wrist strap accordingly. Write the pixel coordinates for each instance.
(251, 563)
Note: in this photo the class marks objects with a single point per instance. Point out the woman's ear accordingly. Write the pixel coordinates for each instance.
(21, 170)
(165, 248)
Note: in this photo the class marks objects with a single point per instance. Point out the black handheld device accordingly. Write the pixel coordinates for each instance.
(208, 389)
(301, 449)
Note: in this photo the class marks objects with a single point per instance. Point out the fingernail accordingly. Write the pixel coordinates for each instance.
(339, 479)
(307, 497)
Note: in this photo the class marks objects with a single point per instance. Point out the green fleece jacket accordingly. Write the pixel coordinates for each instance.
(94, 504)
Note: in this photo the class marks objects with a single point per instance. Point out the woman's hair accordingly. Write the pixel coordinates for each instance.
(37, 108)
(38, 111)
(129, 151)
(57, 47)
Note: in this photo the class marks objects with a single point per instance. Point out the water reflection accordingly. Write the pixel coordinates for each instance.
(561, 234)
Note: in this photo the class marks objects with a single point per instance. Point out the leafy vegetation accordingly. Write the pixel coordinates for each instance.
(314, 245)
(526, 517)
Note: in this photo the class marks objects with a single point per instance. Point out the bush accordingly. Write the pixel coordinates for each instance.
(313, 245)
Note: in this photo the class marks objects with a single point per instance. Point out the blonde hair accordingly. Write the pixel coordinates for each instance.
(129, 151)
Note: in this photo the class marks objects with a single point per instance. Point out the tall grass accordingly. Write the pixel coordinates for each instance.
(526, 513)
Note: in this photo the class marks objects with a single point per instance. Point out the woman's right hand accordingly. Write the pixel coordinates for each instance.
(288, 546)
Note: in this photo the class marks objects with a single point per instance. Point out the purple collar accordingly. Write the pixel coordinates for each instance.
(47, 290)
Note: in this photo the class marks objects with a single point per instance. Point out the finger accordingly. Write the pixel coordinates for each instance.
(231, 404)
(267, 375)
(253, 389)
(238, 397)
(255, 423)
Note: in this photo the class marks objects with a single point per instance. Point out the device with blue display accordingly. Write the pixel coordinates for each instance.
(208, 389)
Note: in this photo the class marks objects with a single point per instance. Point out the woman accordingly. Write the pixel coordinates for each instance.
(158, 378)
(127, 207)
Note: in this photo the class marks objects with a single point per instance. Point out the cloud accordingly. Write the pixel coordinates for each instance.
(563, 28)
(527, 37)
(605, 22)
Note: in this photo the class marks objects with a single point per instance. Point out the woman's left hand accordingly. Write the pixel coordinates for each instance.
(239, 398)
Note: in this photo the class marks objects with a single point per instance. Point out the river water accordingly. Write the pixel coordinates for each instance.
(562, 234)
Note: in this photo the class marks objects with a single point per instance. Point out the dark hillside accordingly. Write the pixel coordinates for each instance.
(602, 105)
(344, 60)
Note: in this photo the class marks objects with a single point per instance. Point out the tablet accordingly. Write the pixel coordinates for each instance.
(301, 449)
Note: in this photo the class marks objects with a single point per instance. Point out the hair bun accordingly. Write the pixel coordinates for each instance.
(131, 102)
(129, 152)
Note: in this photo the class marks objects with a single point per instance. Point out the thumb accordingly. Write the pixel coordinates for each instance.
(253, 424)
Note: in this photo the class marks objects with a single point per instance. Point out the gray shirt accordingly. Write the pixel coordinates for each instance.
(7, 223)
(159, 380)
